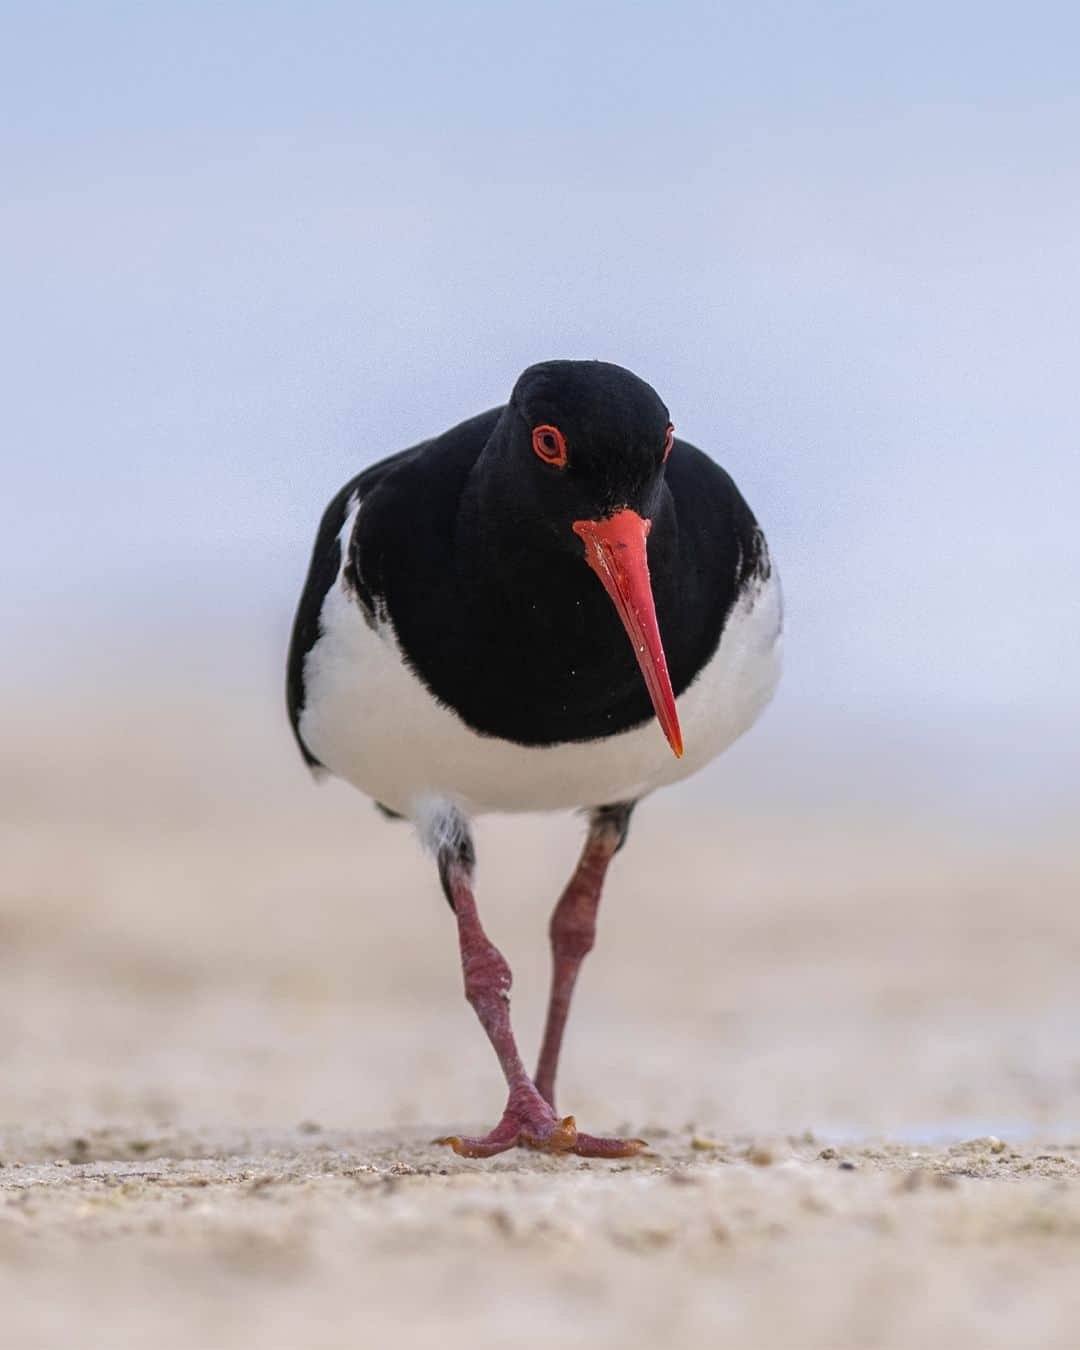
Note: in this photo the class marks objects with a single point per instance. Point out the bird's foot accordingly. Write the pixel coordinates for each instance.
(528, 1122)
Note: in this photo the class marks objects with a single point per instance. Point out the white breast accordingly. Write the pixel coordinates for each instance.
(372, 722)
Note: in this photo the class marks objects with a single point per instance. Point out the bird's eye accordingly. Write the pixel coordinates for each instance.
(669, 441)
(550, 444)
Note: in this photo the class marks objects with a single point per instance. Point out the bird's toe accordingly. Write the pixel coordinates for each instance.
(485, 1146)
(597, 1146)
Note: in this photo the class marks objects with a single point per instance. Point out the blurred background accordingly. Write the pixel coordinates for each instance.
(250, 248)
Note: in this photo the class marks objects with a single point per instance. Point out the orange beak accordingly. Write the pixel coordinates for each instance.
(615, 550)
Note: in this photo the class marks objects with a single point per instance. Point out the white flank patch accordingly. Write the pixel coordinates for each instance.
(372, 722)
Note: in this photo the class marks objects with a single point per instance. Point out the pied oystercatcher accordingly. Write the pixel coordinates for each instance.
(461, 646)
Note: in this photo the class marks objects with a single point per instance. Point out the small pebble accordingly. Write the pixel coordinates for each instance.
(760, 1156)
(502, 1223)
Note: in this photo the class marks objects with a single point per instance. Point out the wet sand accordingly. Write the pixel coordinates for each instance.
(233, 1024)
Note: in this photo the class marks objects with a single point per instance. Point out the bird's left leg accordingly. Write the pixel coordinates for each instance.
(573, 930)
(528, 1119)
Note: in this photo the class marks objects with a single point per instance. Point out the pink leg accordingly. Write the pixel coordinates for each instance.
(573, 932)
(528, 1119)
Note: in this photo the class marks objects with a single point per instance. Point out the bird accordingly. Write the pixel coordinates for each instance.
(556, 604)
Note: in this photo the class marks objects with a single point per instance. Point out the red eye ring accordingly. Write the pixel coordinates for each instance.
(669, 441)
(550, 444)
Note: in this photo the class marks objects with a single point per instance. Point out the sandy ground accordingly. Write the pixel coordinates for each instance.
(232, 1023)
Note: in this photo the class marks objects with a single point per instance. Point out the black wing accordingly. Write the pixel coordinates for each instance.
(324, 567)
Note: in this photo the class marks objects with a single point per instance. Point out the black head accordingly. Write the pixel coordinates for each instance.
(585, 438)
(573, 472)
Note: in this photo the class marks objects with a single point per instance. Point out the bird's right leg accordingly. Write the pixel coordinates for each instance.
(528, 1119)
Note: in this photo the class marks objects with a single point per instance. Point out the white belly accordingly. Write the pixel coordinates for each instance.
(372, 722)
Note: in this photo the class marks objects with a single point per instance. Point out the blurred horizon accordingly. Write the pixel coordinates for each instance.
(248, 250)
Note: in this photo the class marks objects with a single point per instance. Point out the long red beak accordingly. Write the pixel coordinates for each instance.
(615, 550)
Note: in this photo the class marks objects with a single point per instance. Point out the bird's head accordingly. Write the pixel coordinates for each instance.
(584, 445)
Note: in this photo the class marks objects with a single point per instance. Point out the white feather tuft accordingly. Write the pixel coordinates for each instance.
(441, 826)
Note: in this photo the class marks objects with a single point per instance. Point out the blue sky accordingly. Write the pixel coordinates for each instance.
(248, 248)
